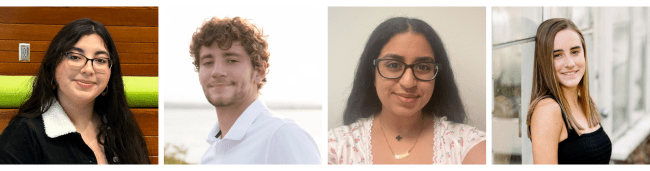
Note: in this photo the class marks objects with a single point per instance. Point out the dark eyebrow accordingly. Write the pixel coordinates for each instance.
(206, 56)
(102, 52)
(424, 59)
(96, 53)
(576, 47)
(229, 54)
(559, 50)
(393, 56)
(77, 49)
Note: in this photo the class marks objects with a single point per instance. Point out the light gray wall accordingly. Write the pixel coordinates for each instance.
(462, 30)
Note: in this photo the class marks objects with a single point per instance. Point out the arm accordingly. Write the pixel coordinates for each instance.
(545, 128)
(16, 144)
(293, 145)
(476, 155)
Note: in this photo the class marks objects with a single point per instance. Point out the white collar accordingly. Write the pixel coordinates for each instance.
(57, 122)
(241, 125)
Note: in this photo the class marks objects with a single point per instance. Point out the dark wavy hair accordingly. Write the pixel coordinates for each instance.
(364, 102)
(119, 132)
(224, 32)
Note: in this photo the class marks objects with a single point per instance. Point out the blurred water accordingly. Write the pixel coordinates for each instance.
(189, 127)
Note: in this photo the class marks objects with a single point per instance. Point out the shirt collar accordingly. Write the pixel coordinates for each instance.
(57, 122)
(245, 120)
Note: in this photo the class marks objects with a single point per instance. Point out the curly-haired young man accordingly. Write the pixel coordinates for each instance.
(231, 57)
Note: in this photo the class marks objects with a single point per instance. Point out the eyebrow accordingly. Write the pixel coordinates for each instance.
(230, 54)
(418, 59)
(96, 53)
(572, 48)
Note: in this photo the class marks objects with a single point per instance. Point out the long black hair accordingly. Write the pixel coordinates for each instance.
(364, 102)
(119, 133)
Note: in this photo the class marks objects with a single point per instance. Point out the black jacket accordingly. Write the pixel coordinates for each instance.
(24, 142)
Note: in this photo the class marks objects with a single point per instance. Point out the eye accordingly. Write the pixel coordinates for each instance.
(208, 63)
(424, 67)
(557, 55)
(74, 56)
(393, 64)
(101, 60)
(231, 61)
(575, 52)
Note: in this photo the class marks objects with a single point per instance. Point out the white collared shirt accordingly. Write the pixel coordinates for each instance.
(260, 136)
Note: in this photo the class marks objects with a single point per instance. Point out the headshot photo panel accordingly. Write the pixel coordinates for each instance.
(244, 85)
(404, 81)
(570, 85)
(84, 88)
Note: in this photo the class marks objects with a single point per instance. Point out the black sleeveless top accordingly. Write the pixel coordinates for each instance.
(589, 148)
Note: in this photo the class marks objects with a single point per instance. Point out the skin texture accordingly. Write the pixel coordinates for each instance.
(402, 102)
(229, 81)
(77, 89)
(547, 125)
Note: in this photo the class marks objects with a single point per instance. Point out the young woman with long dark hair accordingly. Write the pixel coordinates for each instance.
(77, 112)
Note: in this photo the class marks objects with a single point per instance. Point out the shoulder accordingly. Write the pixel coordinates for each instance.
(19, 140)
(350, 143)
(454, 140)
(546, 112)
(458, 131)
(22, 125)
(350, 131)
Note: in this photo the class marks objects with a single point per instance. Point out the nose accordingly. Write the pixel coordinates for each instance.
(218, 70)
(568, 62)
(88, 68)
(408, 80)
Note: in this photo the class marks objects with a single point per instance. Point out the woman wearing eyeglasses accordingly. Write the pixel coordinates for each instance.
(77, 112)
(404, 107)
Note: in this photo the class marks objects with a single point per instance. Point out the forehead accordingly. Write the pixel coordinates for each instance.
(214, 47)
(566, 38)
(91, 42)
(409, 45)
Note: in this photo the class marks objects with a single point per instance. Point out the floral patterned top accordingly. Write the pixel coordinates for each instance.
(350, 144)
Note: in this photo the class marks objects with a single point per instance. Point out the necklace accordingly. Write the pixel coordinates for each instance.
(398, 156)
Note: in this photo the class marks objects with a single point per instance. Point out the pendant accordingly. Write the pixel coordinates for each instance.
(401, 156)
(398, 138)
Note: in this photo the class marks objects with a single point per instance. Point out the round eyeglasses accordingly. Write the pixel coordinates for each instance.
(392, 69)
(78, 61)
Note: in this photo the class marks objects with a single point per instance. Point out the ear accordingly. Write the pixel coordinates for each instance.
(260, 72)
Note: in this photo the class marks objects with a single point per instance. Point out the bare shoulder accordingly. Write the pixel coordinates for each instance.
(547, 116)
(547, 109)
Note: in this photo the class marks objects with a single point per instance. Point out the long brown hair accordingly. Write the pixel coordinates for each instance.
(545, 84)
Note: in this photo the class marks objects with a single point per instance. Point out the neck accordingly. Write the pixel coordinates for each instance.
(227, 115)
(81, 114)
(571, 95)
(401, 125)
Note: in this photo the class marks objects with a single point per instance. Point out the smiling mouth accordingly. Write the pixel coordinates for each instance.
(570, 73)
(407, 98)
(84, 84)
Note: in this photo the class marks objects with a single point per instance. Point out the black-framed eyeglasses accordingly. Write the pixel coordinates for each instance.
(392, 69)
(77, 60)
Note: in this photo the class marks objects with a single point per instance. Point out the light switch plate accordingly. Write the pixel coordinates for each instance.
(23, 52)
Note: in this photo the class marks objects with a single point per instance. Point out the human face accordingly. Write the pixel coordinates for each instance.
(227, 76)
(83, 84)
(568, 58)
(406, 95)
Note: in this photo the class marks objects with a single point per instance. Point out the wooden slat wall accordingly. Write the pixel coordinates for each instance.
(147, 119)
(134, 31)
